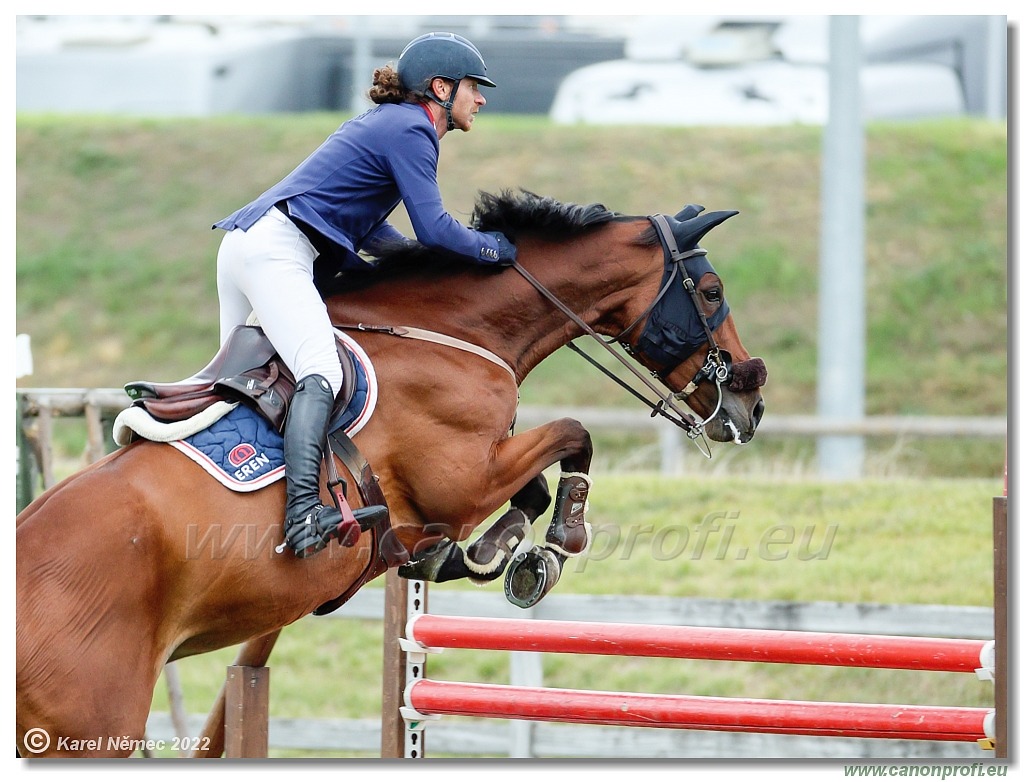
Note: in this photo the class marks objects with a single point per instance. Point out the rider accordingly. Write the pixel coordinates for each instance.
(332, 206)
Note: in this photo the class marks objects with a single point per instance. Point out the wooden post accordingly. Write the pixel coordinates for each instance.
(95, 444)
(254, 654)
(26, 461)
(392, 725)
(44, 423)
(1001, 597)
(247, 712)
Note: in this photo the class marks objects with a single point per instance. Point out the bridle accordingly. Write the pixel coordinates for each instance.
(717, 367)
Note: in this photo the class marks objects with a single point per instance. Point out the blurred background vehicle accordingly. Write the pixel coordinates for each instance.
(578, 69)
(770, 70)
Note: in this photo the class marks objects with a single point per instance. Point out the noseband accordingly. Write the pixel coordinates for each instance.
(717, 366)
(661, 339)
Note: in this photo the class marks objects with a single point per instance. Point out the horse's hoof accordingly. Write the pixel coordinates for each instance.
(443, 561)
(531, 575)
(423, 569)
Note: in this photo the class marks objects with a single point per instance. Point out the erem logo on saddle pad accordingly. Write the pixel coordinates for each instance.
(243, 451)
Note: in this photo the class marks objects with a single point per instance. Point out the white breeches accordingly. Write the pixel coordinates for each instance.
(268, 271)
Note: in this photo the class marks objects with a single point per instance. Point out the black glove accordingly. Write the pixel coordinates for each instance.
(506, 250)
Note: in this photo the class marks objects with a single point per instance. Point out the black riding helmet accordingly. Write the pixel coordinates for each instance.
(447, 55)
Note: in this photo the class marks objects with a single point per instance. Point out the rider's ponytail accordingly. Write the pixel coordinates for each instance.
(387, 87)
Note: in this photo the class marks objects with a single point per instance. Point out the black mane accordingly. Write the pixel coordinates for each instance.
(518, 212)
(514, 213)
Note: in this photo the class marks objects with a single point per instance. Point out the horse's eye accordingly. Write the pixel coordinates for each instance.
(713, 294)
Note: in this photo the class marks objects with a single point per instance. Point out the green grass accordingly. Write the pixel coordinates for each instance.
(115, 256)
(115, 269)
(907, 541)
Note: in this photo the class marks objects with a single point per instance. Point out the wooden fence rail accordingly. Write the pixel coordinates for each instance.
(110, 401)
(39, 407)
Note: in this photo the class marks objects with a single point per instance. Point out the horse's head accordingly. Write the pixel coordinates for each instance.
(682, 330)
(686, 334)
(688, 337)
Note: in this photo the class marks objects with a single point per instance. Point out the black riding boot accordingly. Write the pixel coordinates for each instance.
(309, 524)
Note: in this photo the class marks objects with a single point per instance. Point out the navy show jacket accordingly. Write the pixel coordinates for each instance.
(347, 188)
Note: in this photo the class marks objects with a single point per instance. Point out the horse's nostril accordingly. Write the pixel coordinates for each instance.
(758, 411)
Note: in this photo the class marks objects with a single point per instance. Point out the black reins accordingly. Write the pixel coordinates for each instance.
(716, 367)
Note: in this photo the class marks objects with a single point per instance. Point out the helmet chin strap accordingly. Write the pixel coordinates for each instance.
(447, 104)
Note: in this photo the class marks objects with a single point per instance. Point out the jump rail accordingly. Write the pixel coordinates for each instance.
(702, 643)
(409, 628)
(745, 715)
(422, 699)
(425, 698)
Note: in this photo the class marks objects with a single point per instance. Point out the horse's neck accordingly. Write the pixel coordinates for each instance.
(600, 279)
(502, 311)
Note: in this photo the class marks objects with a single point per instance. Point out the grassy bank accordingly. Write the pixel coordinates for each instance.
(115, 256)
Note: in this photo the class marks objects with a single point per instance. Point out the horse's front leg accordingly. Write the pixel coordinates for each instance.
(487, 558)
(533, 573)
(515, 470)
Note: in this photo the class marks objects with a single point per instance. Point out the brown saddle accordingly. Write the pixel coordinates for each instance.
(246, 369)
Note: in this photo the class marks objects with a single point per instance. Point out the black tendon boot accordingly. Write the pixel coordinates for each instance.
(309, 524)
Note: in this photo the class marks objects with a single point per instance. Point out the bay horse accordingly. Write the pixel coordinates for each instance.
(110, 584)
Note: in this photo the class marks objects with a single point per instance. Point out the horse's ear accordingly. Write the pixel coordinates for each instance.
(689, 232)
(689, 211)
